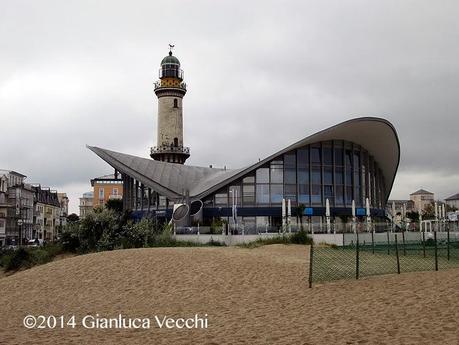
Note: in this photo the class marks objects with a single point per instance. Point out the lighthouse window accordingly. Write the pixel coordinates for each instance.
(175, 142)
(175, 103)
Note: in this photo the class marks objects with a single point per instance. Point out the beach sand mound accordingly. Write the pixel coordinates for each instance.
(250, 296)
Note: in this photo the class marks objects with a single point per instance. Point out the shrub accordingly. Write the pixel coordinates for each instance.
(300, 237)
(39, 256)
(17, 259)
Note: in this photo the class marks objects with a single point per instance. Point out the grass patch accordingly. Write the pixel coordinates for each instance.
(172, 242)
(26, 257)
(299, 237)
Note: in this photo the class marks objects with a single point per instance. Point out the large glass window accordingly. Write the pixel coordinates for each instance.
(339, 196)
(316, 195)
(339, 156)
(327, 154)
(277, 193)
(339, 175)
(290, 160)
(349, 195)
(290, 193)
(328, 175)
(348, 158)
(339, 171)
(303, 157)
(316, 176)
(262, 175)
(348, 176)
(315, 155)
(262, 193)
(290, 176)
(328, 194)
(221, 199)
(248, 179)
(356, 160)
(303, 176)
(248, 196)
(303, 194)
(277, 172)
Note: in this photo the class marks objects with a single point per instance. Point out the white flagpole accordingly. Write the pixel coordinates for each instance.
(283, 215)
(367, 206)
(289, 214)
(327, 214)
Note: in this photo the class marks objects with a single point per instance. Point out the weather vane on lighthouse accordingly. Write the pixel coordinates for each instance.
(171, 46)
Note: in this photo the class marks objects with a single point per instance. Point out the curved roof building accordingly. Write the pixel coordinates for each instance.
(351, 161)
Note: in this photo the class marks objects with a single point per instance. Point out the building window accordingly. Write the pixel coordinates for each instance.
(277, 172)
(303, 194)
(315, 155)
(175, 103)
(262, 193)
(248, 179)
(290, 193)
(115, 191)
(176, 142)
(221, 199)
(101, 193)
(248, 194)
(262, 175)
(277, 193)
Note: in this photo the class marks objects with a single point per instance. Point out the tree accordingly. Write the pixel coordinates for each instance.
(450, 208)
(413, 215)
(115, 205)
(300, 211)
(73, 218)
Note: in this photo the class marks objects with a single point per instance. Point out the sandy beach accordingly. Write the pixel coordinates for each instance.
(250, 296)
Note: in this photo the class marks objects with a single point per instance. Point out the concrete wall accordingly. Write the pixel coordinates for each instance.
(170, 121)
(331, 239)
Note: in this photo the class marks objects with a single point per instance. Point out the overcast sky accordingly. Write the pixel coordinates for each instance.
(260, 75)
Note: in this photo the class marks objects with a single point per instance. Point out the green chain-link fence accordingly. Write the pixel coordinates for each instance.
(364, 255)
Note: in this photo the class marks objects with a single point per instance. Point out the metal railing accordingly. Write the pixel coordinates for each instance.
(158, 85)
(171, 149)
(367, 254)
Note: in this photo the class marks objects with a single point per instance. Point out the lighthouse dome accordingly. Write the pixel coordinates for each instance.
(170, 59)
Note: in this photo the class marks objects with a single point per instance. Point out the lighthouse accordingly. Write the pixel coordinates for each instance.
(170, 90)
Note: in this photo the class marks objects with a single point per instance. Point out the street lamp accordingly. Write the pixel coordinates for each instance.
(20, 231)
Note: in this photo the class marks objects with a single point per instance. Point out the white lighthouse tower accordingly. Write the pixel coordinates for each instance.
(170, 90)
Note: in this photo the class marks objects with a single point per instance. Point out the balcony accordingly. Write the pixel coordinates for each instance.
(181, 86)
(170, 149)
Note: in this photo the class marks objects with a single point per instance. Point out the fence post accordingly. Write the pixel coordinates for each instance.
(357, 259)
(424, 243)
(396, 254)
(373, 241)
(436, 252)
(403, 239)
(344, 241)
(447, 242)
(311, 255)
(388, 243)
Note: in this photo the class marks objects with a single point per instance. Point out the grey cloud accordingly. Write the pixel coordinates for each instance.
(260, 75)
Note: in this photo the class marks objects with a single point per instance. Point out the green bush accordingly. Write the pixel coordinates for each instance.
(39, 256)
(54, 249)
(18, 259)
(300, 237)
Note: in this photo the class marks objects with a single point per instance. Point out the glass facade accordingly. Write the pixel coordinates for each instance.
(337, 170)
